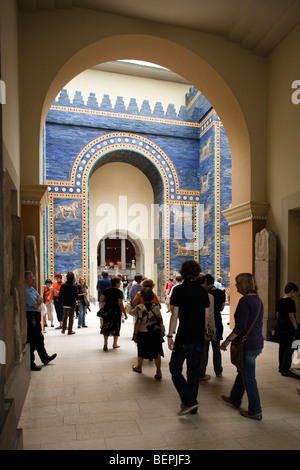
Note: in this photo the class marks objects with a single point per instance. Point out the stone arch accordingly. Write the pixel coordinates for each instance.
(75, 190)
(136, 242)
(103, 146)
(186, 63)
(197, 69)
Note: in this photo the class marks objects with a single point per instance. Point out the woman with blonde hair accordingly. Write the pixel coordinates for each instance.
(249, 312)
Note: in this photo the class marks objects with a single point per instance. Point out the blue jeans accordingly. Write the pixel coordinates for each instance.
(246, 380)
(81, 314)
(58, 305)
(186, 388)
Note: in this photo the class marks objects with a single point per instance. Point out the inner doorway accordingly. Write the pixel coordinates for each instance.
(117, 252)
(120, 254)
(111, 220)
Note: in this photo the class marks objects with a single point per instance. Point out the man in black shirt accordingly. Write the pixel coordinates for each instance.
(190, 305)
(286, 327)
(69, 294)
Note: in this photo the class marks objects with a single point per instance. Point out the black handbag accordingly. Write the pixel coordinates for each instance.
(103, 311)
(237, 347)
(100, 312)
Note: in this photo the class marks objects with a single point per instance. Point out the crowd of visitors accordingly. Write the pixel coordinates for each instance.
(195, 302)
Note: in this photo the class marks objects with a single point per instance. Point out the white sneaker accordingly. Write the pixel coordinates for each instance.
(187, 409)
(204, 377)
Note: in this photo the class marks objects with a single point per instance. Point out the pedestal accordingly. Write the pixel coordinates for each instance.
(245, 220)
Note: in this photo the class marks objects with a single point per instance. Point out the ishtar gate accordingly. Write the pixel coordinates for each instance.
(185, 161)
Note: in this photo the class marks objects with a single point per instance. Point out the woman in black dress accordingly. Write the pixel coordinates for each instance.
(286, 326)
(112, 312)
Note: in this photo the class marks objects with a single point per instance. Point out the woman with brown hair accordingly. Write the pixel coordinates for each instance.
(248, 312)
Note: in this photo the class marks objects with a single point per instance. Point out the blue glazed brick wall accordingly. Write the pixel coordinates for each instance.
(189, 152)
(207, 198)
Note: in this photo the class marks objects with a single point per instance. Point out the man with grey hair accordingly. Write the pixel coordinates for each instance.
(34, 330)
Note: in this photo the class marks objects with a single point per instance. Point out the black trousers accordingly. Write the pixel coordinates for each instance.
(187, 388)
(35, 337)
(285, 339)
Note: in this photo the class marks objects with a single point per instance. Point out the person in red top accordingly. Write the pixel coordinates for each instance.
(138, 299)
(170, 284)
(57, 299)
(48, 297)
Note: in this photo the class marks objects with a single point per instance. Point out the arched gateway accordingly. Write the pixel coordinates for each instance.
(174, 220)
(199, 66)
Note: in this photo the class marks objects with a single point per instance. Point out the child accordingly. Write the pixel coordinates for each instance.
(48, 298)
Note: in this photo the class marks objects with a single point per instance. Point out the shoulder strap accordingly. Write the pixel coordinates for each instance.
(245, 337)
(152, 310)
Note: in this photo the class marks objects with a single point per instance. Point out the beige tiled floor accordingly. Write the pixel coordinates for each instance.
(91, 399)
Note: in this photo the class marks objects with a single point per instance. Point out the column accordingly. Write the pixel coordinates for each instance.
(34, 200)
(265, 275)
(102, 253)
(123, 253)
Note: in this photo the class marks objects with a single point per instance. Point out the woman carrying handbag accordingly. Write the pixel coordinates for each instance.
(248, 327)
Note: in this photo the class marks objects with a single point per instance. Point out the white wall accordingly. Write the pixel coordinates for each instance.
(114, 85)
(283, 155)
(10, 77)
(106, 185)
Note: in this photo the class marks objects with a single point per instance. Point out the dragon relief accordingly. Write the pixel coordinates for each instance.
(65, 247)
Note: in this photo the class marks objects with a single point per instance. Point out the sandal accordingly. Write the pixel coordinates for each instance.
(158, 377)
(134, 368)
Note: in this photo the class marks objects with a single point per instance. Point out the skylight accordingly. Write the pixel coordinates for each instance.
(143, 63)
